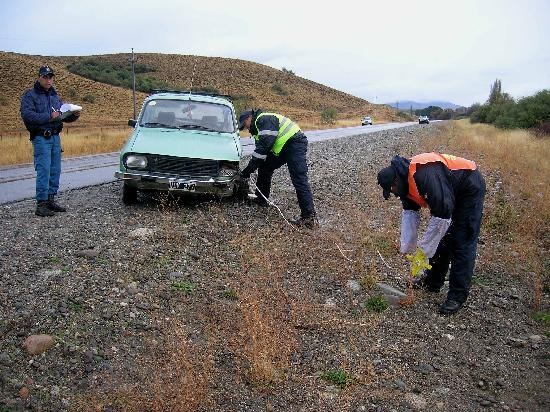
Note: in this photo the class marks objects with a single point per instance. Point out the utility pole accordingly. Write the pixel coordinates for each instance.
(133, 60)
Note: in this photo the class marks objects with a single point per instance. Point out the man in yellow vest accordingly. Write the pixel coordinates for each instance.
(453, 189)
(278, 141)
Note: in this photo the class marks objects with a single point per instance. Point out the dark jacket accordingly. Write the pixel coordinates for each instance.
(267, 130)
(441, 186)
(37, 105)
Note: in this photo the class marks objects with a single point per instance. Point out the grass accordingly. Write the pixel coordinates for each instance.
(184, 286)
(230, 294)
(16, 148)
(377, 304)
(338, 377)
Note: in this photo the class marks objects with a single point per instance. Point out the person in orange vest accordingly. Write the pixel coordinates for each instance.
(453, 189)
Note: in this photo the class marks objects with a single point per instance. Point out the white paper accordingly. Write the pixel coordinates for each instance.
(69, 107)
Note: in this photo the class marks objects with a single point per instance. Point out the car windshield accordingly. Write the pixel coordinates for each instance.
(188, 114)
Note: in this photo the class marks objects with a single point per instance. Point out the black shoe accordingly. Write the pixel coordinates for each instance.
(450, 306)
(310, 222)
(53, 206)
(259, 201)
(43, 209)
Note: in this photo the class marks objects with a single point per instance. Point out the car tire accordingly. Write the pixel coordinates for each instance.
(129, 195)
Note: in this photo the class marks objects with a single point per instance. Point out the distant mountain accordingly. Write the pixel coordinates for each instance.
(406, 104)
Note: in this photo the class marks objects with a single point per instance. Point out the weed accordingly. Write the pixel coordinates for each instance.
(184, 286)
(480, 280)
(338, 377)
(54, 260)
(376, 304)
(542, 317)
(75, 306)
(328, 116)
(230, 294)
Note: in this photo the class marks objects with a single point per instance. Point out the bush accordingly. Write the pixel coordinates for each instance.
(205, 89)
(328, 116)
(277, 88)
(376, 304)
(286, 71)
(338, 377)
(89, 98)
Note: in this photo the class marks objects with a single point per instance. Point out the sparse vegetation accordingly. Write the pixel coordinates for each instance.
(338, 377)
(89, 98)
(184, 286)
(117, 74)
(277, 88)
(328, 116)
(287, 71)
(230, 294)
(376, 304)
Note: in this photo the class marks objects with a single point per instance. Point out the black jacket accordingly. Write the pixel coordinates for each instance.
(437, 184)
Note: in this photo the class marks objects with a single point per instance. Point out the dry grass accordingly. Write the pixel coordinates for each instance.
(516, 167)
(16, 148)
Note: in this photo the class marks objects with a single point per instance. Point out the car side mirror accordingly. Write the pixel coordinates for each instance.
(132, 123)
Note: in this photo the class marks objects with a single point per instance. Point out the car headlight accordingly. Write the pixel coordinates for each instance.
(135, 162)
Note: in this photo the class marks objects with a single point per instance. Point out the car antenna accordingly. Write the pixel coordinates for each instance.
(193, 75)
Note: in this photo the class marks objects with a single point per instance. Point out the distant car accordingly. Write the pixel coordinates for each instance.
(366, 120)
(423, 119)
(182, 143)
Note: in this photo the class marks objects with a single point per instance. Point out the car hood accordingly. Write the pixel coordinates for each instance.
(185, 143)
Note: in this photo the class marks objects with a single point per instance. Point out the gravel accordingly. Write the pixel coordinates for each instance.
(200, 304)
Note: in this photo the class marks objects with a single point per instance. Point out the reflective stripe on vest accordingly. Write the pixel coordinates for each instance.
(287, 129)
(452, 163)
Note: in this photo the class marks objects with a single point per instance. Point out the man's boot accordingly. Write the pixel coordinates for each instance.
(43, 208)
(55, 207)
(309, 222)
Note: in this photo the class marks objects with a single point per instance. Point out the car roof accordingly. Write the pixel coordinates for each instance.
(186, 95)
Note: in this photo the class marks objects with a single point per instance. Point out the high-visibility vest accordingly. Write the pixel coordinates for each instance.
(287, 129)
(452, 163)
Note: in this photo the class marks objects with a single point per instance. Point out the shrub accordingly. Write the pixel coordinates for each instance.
(328, 116)
(287, 71)
(206, 89)
(338, 377)
(89, 98)
(71, 93)
(184, 286)
(376, 304)
(277, 88)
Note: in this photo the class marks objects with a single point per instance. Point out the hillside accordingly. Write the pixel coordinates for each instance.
(406, 104)
(299, 98)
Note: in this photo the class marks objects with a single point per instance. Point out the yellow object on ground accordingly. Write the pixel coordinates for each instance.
(419, 262)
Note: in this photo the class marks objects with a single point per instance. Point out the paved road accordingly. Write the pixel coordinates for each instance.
(18, 182)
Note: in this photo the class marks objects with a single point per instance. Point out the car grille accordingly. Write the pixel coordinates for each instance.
(182, 166)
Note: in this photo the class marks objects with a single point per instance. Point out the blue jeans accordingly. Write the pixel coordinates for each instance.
(47, 163)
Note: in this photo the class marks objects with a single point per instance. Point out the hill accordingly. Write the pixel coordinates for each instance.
(255, 85)
(406, 104)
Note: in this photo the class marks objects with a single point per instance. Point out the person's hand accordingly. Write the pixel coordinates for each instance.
(245, 174)
(248, 170)
(419, 262)
(55, 114)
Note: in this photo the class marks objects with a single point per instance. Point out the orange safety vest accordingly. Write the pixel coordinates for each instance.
(452, 163)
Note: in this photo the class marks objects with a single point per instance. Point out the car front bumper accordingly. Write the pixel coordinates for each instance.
(201, 185)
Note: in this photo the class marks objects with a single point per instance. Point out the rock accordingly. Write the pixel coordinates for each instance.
(399, 384)
(5, 358)
(132, 288)
(330, 303)
(353, 285)
(418, 402)
(449, 336)
(518, 343)
(36, 344)
(194, 255)
(141, 233)
(54, 391)
(87, 253)
(535, 338)
(176, 274)
(24, 392)
(47, 273)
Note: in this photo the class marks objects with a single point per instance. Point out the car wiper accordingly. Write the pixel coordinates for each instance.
(195, 126)
(153, 124)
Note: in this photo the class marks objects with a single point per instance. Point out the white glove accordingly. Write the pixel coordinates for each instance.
(435, 231)
(410, 220)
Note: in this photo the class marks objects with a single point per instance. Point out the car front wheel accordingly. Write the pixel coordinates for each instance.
(129, 194)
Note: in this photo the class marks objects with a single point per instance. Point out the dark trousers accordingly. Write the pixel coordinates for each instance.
(458, 247)
(293, 155)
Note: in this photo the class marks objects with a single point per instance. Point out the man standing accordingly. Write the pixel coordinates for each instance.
(279, 141)
(453, 189)
(40, 113)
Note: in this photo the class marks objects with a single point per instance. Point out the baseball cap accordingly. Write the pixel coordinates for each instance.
(45, 71)
(385, 179)
(244, 115)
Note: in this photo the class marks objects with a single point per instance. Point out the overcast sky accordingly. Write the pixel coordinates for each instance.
(383, 51)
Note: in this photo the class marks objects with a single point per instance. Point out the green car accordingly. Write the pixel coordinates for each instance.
(183, 142)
